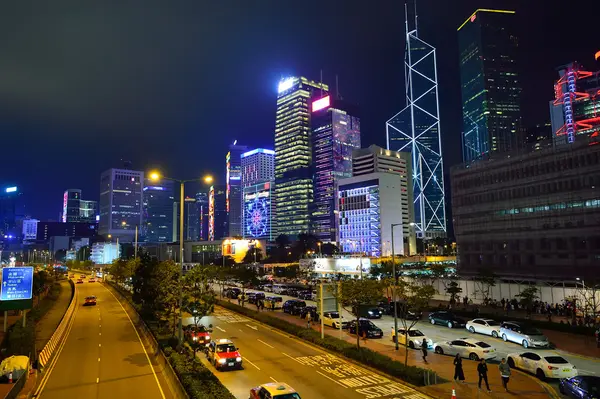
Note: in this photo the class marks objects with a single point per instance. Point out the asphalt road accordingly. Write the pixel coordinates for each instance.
(102, 356)
(270, 356)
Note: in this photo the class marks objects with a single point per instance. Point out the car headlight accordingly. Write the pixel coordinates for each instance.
(222, 361)
(195, 338)
(207, 337)
(370, 312)
(238, 359)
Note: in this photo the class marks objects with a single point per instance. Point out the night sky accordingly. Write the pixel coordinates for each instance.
(170, 84)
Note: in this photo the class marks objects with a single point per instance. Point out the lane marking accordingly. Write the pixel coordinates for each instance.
(162, 394)
(293, 358)
(97, 380)
(252, 327)
(100, 325)
(274, 380)
(329, 378)
(99, 345)
(219, 328)
(99, 333)
(240, 330)
(246, 359)
(98, 359)
(264, 343)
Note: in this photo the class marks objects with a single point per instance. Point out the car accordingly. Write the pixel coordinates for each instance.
(274, 390)
(415, 338)
(232, 293)
(72, 276)
(306, 294)
(82, 276)
(446, 319)
(92, 280)
(366, 328)
(268, 288)
(199, 334)
(273, 298)
(374, 313)
(543, 365)
(293, 306)
(313, 313)
(333, 319)
(484, 326)
(471, 348)
(522, 334)
(291, 291)
(79, 281)
(581, 387)
(223, 355)
(90, 301)
(254, 297)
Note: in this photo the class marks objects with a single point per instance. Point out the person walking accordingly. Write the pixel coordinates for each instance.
(482, 372)
(598, 337)
(424, 349)
(459, 374)
(308, 320)
(504, 373)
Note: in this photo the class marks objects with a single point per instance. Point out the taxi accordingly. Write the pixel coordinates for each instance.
(90, 301)
(274, 390)
(224, 355)
(200, 334)
(79, 281)
(82, 276)
(92, 280)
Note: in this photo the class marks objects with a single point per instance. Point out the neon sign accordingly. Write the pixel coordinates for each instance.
(65, 200)
(10, 190)
(321, 103)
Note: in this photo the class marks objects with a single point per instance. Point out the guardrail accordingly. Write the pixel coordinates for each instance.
(16, 389)
(49, 349)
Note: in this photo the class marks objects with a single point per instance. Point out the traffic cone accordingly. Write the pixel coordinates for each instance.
(453, 393)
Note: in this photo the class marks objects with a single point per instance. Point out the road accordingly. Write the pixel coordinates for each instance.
(269, 356)
(102, 357)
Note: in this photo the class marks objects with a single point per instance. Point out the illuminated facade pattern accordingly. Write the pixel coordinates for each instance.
(258, 166)
(233, 167)
(217, 212)
(359, 219)
(575, 111)
(489, 83)
(258, 211)
(159, 198)
(121, 199)
(293, 155)
(416, 129)
(335, 134)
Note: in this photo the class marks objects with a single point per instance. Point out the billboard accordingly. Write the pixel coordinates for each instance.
(257, 211)
(336, 265)
(211, 214)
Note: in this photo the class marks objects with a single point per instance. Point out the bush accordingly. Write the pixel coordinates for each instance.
(383, 363)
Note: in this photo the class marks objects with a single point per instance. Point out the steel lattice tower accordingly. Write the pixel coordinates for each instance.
(416, 129)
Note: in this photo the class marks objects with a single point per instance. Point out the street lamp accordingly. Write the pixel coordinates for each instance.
(394, 289)
(156, 176)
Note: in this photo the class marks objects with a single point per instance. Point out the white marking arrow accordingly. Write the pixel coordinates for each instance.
(252, 327)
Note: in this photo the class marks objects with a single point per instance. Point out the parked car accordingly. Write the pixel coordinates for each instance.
(543, 365)
(223, 354)
(580, 387)
(293, 306)
(291, 291)
(484, 326)
(415, 338)
(305, 294)
(333, 319)
(268, 288)
(366, 328)
(473, 349)
(232, 293)
(255, 296)
(521, 333)
(374, 313)
(446, 319)
(313, 313)
(273, 298)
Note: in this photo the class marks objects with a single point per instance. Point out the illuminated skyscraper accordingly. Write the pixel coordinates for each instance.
(293, 156)
(258, 173)
(233, 165)
(335, 133)
(416, 129)
(258, 166)
(77, 210)
(217, 212)
(121, 201)
(159, 217)
(490, 83)
(202, 204)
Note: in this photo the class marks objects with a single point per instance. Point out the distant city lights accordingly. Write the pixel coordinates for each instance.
(10, 189)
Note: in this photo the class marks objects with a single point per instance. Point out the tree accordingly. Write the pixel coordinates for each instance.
(383, 270)
(453, 289)
(416, 298)
(329, 249)
(486, 279)
(59, 255)
(219, 275)
(356, 293)
(528, 296)
(41, 281)
(247, 276)
(253, 255)
(282, 241)
(83, 253)
(199, 298)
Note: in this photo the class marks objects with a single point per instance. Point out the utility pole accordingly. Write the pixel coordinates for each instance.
(394, 288)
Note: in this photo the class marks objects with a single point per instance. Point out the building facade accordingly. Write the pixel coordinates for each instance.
(293, 154)
(76, 209)
(8, 211)
(233, 169)
(202, 204)
(46, 230)
(192, 220)
(30, 229)
(416, 129)
(217, 212)
(258, 211)
(490, 85)
(258, 166)
(104, 253)
(533, 215)
(121, 203)
(335, 134)
(158, 216)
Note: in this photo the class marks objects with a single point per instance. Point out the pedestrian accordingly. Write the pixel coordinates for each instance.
(308, 319)
(482, 371)
(258, 305)
(598, 337)
(272, 306)
(424, 349)
(459, 374)
(504, 373)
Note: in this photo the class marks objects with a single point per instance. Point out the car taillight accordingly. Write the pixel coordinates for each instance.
(552, 368)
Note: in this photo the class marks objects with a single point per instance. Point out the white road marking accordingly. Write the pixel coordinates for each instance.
(329, 378)
(99, 345)
(240, 330)
(252, 327)
(99, 333)
(246, 359)
(293, 358)
(220, 329)
(98, 359)
(97, 380)
(264, 343)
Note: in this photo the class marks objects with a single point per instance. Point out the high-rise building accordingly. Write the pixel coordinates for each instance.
(202, 204)
(490, 85)
(8, 211)
(46, 230)
(293, 154)
(88, 210)
(258, 211)
(258, 166)
(121, 200)
(217, 212)
(71, 205)
(535, 137)
(159, 222)
(335, 133)
(574, 111)
(233, 164)
(416, 129)
(192, 220)
(30, 229)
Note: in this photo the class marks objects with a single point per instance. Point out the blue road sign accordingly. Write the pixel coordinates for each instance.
(17, 283)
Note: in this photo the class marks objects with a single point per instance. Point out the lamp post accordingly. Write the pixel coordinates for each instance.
(394, 289)
(155, 176)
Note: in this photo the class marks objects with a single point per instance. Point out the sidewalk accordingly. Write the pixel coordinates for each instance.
(520, 384)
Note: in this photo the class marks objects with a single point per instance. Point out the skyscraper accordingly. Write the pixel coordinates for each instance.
(489, 83)
(293, 157)
(258, 174)
(233, 164)
(258, 166)
(8, 211)
(217, 212)
(192, 220)
(76, 209)
(335, 133)
(416, 129)
(159, 222)
(202, 204)
(88, 211)
(121, 199)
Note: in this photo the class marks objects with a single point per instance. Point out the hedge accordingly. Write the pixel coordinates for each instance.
(411, 374)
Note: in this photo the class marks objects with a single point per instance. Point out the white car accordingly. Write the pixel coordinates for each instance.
(484, 326)
(415, 338)
(473, 349)
(543, 365)
(333, 319)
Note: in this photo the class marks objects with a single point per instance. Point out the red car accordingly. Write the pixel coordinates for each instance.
(79, 281)
(200, 334)
(223, 355)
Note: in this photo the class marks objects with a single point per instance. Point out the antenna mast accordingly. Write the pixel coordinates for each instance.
(406, 18)
(416, 18)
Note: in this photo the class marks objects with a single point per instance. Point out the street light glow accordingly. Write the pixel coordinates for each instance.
(208, 179)
(154, 176)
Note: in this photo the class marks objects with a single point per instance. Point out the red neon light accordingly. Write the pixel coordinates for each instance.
(321, 103)
(473, 17)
